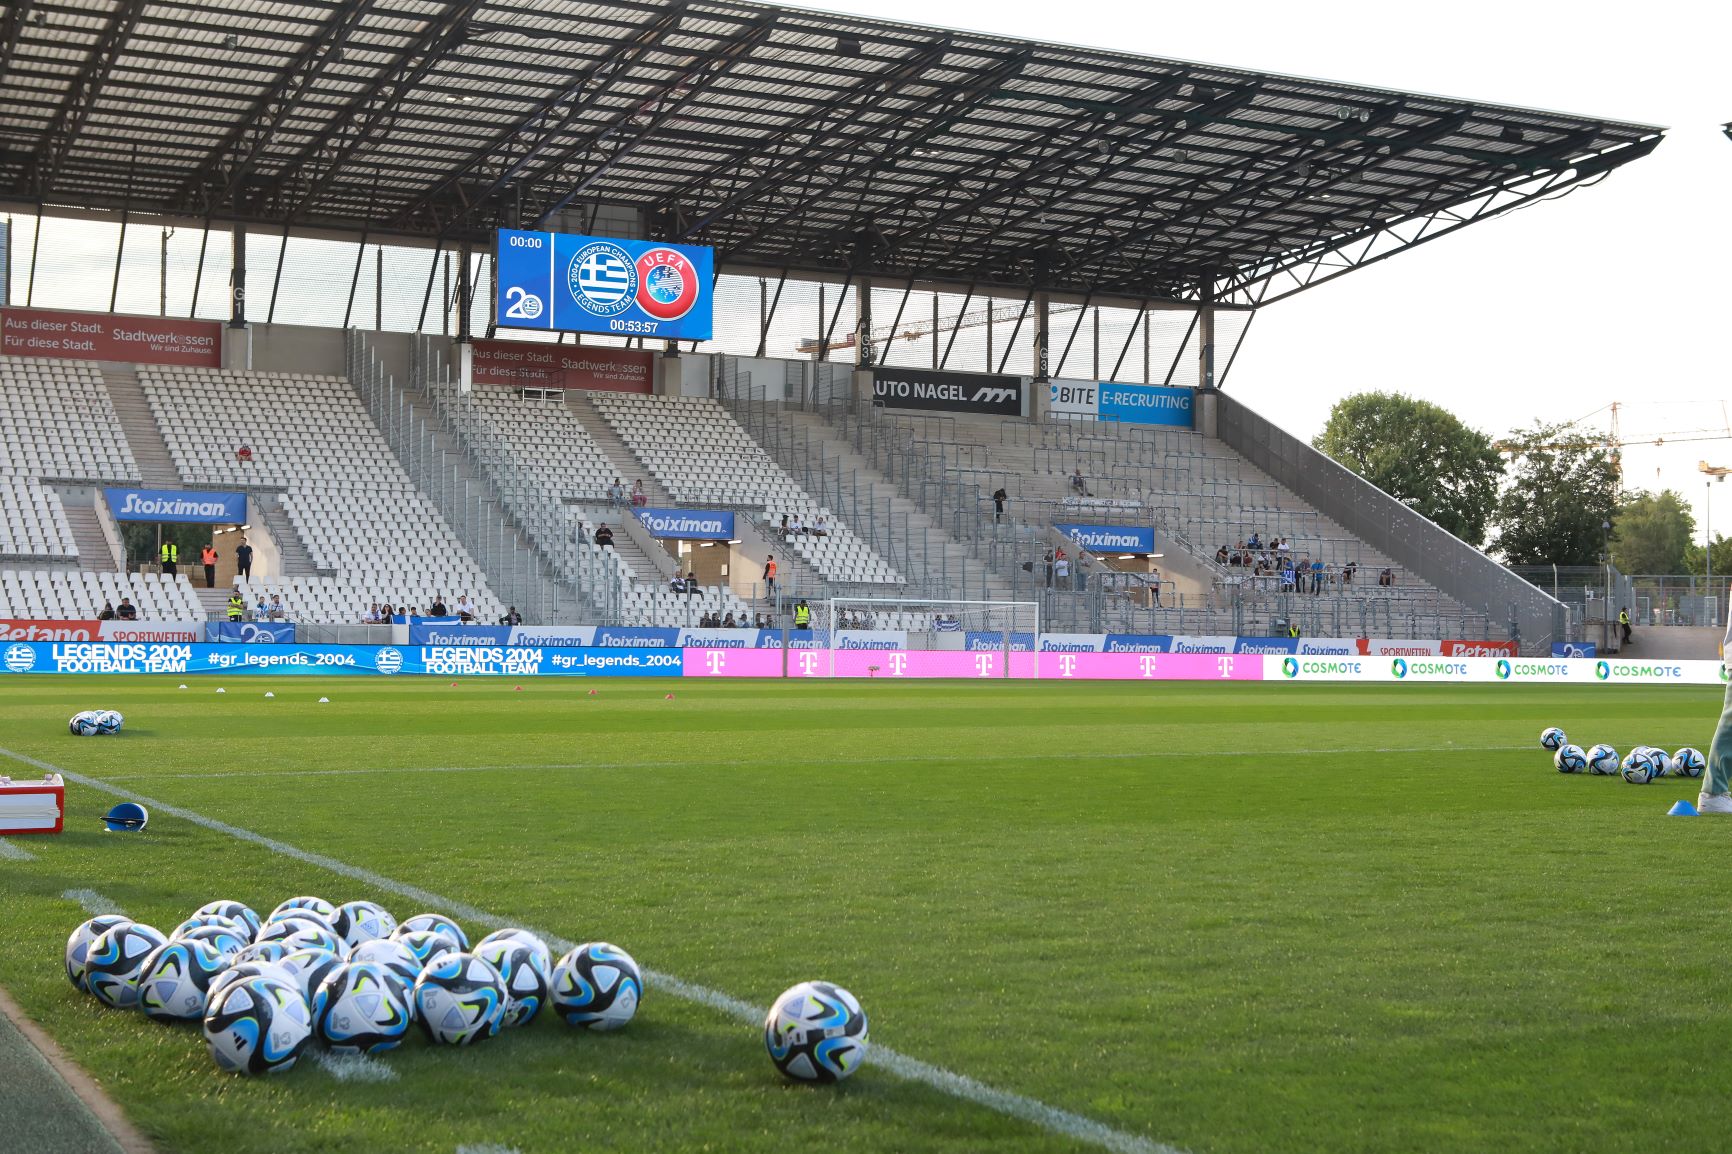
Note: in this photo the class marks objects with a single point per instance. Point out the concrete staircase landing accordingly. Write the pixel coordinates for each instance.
(138, 424)
(88, 538)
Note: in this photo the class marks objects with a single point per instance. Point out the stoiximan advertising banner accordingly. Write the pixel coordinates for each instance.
(592, 284)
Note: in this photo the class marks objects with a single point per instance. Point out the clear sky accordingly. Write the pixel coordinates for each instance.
(1617, 292)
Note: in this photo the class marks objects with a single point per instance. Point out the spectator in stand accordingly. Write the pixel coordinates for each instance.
(1347, 572)
(802, 615)
(1085, 565)
(374, 616)
(638, 497)
(1284, 545)
(1255, 542)
(244, 454)
(820, 528)
(1317, 576)
(797, 527)
(1287, 576)
(465, 608)
(243, 559)
(728, 621)
(512, 616)
(677, 583)
(616, 494)
(769, 575)
(1155, 586)
(170, 557)
(604, 536)
(107, 613)
(262, 610)
(784, 528)
(1047, 559)
(208, 558)
(277, 611)
(127, 611)
(1061, 569)
(1079, 485)
(691, 582)
(1221, 555)
(999, 497)
(1387, 577)
(437, 609)
(237, 607)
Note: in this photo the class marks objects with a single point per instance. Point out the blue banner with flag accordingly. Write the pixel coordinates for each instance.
(250, 632)
(193, 506)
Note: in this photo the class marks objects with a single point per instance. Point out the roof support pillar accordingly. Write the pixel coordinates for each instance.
(1206, 341)
(1042, 336)
(238, 341)
(865, 356)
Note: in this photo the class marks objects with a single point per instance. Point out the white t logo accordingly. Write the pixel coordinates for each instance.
(715, 661)
(983, 664)
(1225, 665)
(1066, 664)
(1146, 665)
(898, 663)
(808, 665)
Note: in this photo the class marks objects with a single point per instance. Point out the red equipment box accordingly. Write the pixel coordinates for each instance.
(35, 806)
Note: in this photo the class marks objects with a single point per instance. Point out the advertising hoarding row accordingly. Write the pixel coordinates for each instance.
(1128, 404)
(931, 390)
(688, 524)
(77, 336)
(562, 282)
(1109, 538)
(596, 368)
(187, 506)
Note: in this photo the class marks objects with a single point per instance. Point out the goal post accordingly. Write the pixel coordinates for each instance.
(930, 623)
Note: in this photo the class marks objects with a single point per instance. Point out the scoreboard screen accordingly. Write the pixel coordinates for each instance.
(591, 284)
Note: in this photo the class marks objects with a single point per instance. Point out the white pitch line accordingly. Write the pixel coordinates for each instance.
(14, 852)
(490, 1148)
(94, 903)
(1153, 754)
(1062, 1122)
(354, 1067)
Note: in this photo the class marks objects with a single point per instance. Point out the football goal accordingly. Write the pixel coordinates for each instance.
(877, 622)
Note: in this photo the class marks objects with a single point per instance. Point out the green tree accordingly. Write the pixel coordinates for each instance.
(1651, 533)
(1563, 487)
(1420, 454)
(1694, 559)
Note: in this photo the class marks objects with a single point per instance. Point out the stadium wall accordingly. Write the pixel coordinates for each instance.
(1445, 561)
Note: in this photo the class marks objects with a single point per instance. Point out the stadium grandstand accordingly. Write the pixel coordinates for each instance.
(976, 304)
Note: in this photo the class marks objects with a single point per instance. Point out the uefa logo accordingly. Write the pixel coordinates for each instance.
(1289, 668)
(1399, 668)
(389, 660)
(20, 658)
(667, 284)
(1502, 670)
(1602, 670)
(603, 279)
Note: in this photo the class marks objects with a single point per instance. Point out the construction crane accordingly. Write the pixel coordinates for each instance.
(1615, 442)
(915, 330)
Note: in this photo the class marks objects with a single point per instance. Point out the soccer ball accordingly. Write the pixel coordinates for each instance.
(108, 721)
(309, 966)
(596, 986)
(460, 999)
(78, 945)
(235, 911)
(258, 1026)
(1689, 762)
(227, 942)
(358, 922)
(116, 958)
(525, 981)
(439, 923)
(1602, 761)
(1552, 739)
(1570, 759)
(318, 907)
(203, 921)
(176, 979)
(816, 1032)
(361, 1008)
(426, 945)
(83, 724)
(240, 971)
(393, 955)
(543, 955)
(1638, 767)
(272, 951)
(298, 931)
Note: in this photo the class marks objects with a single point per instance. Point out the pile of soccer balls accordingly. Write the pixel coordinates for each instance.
(1641, 765)
(353, 979)
(94, 722)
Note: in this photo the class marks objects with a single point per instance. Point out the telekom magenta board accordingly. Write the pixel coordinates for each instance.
(593, 284)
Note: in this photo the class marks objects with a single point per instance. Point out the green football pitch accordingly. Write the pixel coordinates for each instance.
(1212, 918)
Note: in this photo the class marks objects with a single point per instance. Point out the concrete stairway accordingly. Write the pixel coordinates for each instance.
(925, 552)
(644, 568)
(215, 601)
(155, 465)
(625, 464)
(89, 539)
(291, 550)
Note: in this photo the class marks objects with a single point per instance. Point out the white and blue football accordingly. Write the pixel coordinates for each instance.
(176, 980)
(115, 960)
(1552, 739)
(543, 955)
(358, 922)
(306, 904)
(108, 721)
(816, 1032)
(1603, 761)
(259, 1025)
(460, 1000)
(1689, 762)
(83, 724)
(309, 966)
(235, 911)
(78, 945)
(1570, 759)
(1638, 767)
(526, 983)
(597, 986)
(361, 1008)
(438, 923)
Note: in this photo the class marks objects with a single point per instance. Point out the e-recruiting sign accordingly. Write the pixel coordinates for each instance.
(177, 505)
(591, 284)
(1145, 404)
(948, 392)
(689, 524)
(1110, 538)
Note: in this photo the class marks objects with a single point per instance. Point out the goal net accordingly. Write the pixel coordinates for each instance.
(898, 623)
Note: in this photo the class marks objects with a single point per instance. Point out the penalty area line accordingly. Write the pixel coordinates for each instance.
(1032, 1110)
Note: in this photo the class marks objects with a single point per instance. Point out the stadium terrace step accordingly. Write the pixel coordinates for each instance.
(291, 550)
(138, 424)
(627, 467)
(94, 551)
(215, 602)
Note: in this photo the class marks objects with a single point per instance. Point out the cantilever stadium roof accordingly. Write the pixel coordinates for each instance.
(787, 139)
